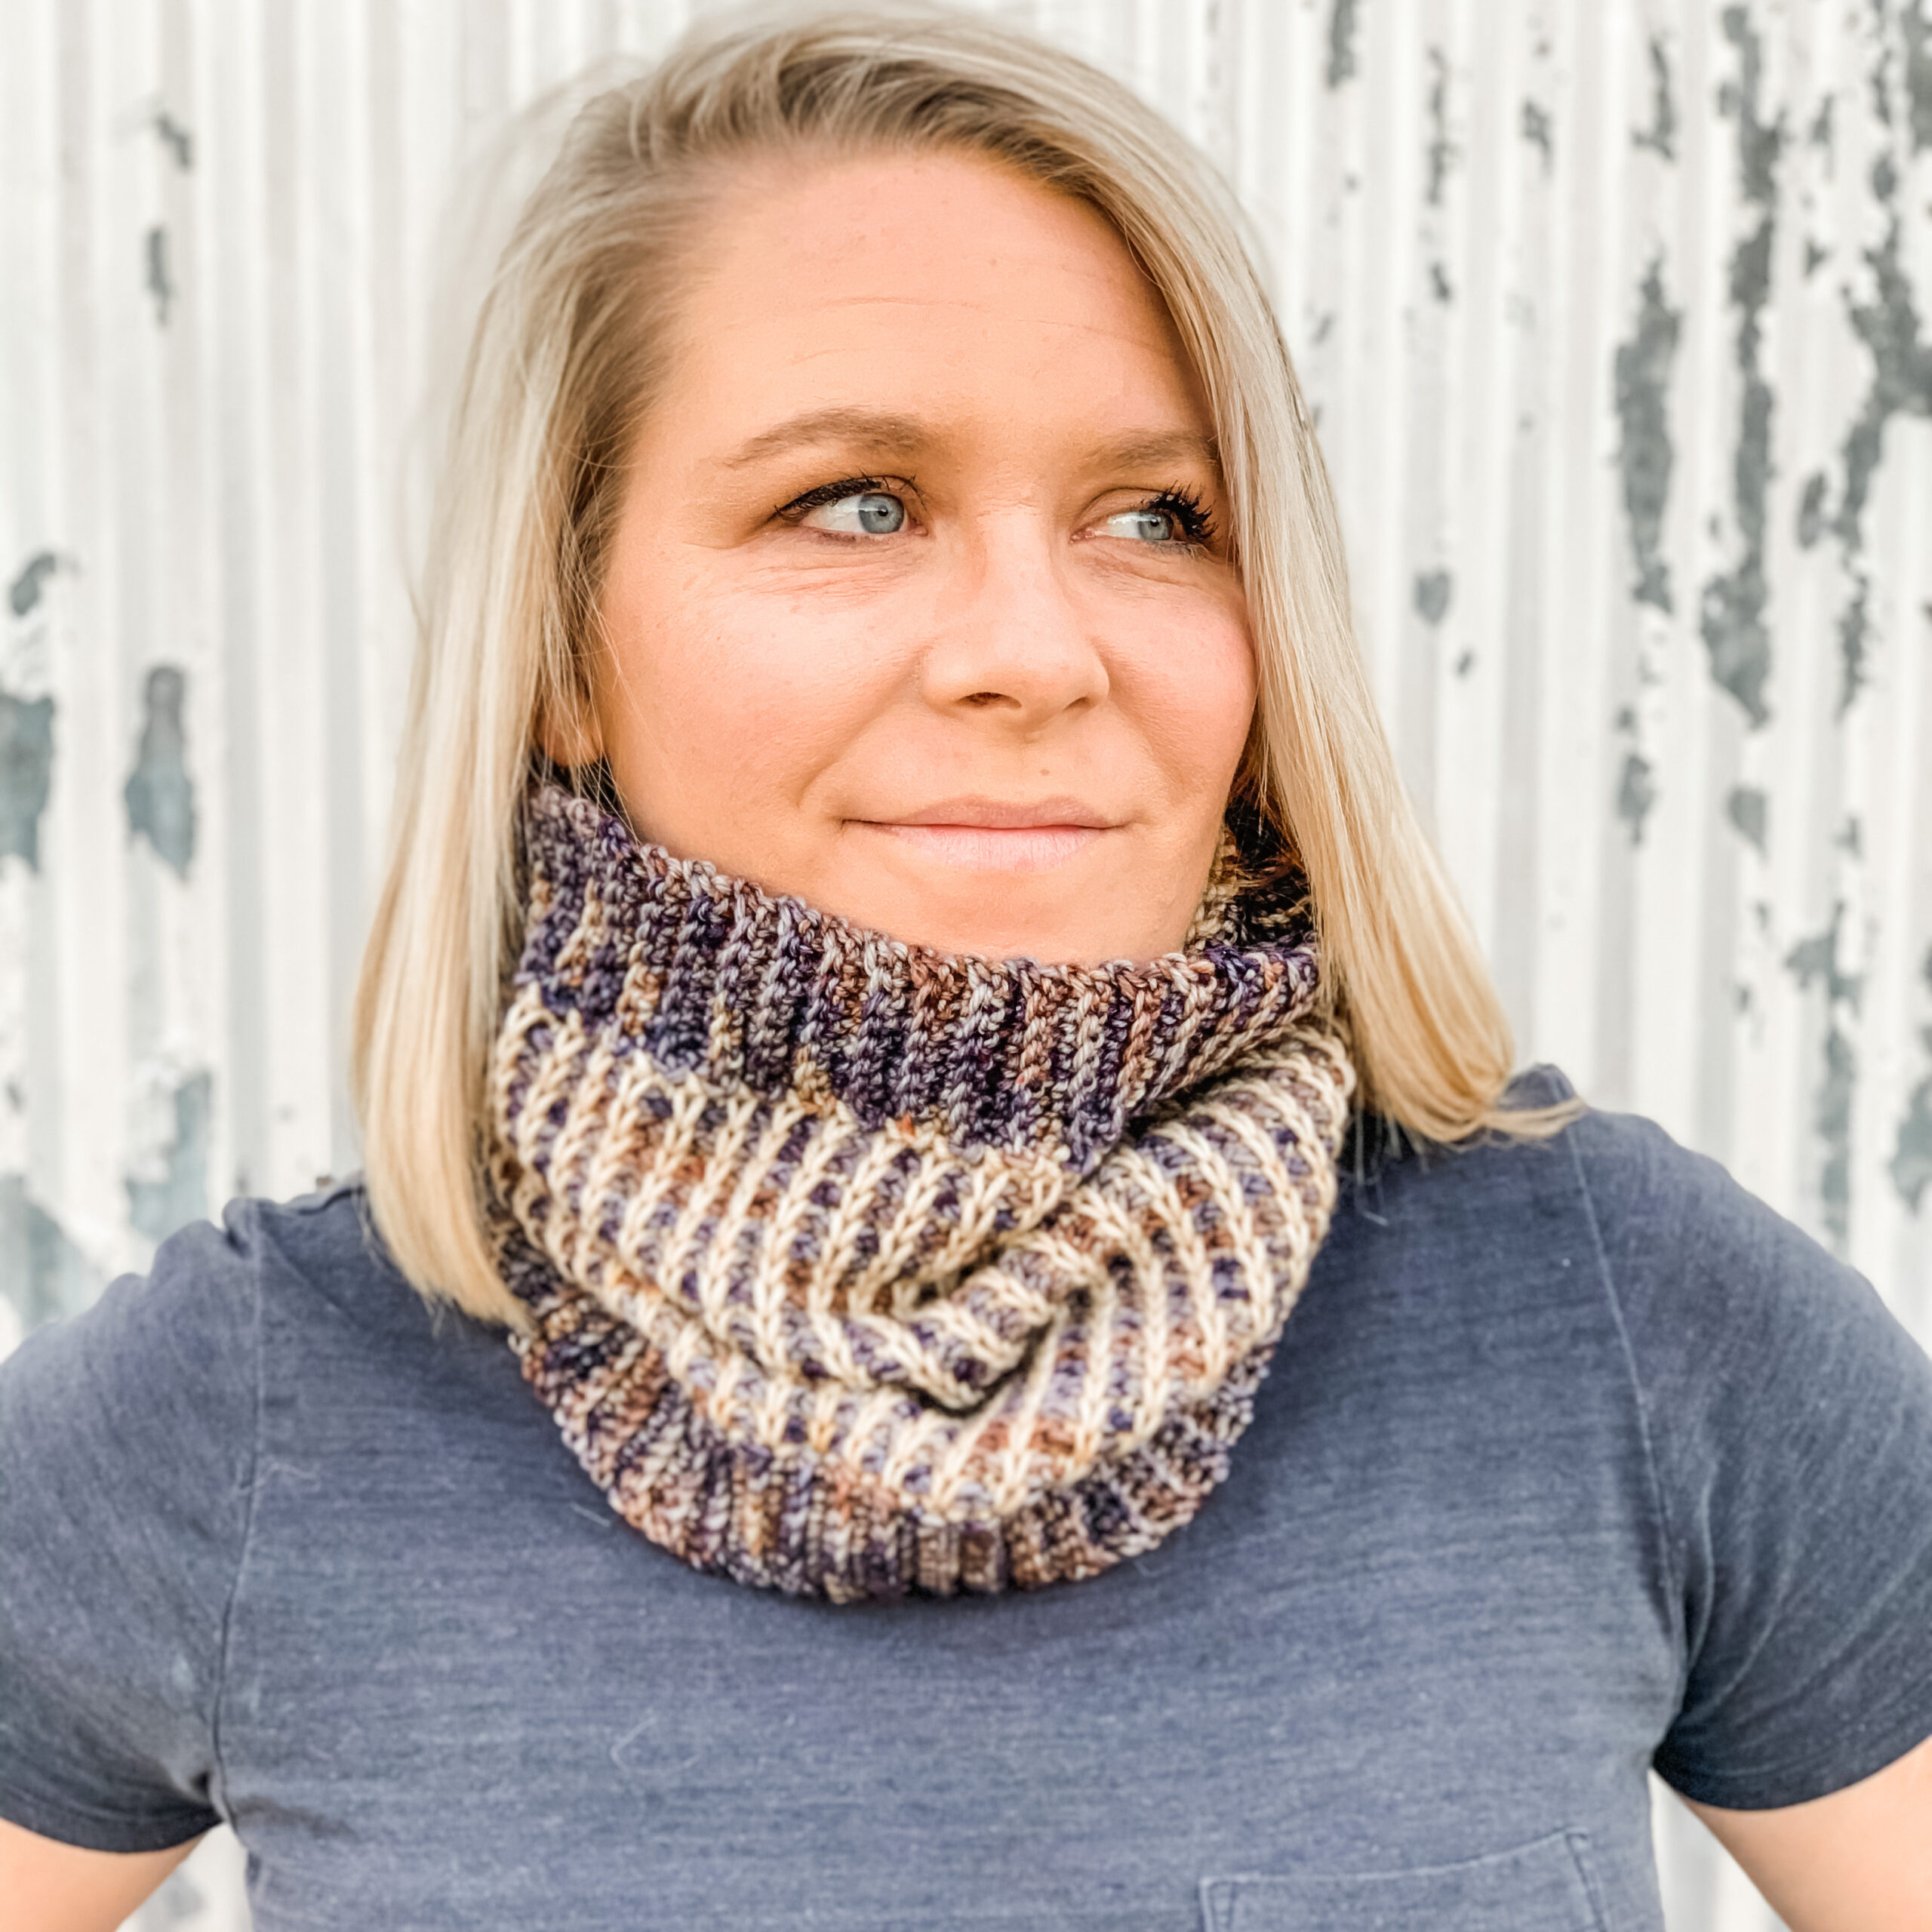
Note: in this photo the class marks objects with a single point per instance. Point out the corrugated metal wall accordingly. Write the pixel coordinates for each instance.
(1618, 315)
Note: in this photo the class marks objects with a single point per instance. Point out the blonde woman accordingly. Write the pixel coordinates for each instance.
(904, 961)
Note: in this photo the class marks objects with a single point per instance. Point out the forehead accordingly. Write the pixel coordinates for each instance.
(938, 284)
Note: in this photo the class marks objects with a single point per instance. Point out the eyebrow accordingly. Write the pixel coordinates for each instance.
(901, 435)
(905, 436)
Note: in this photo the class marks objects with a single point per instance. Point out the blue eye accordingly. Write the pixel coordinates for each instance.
(1147, 526)
(1176, 519)
(864, 513)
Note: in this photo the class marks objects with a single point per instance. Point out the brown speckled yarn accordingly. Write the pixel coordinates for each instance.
(858, 1269)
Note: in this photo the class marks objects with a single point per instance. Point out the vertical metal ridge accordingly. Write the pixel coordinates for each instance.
(1508, 245)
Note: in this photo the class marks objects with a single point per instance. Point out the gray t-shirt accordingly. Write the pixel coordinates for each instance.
(1574, 1459)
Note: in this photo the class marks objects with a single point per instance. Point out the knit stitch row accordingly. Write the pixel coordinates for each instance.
(856, 1267)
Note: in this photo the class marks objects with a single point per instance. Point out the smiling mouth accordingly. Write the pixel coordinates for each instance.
(982, 834)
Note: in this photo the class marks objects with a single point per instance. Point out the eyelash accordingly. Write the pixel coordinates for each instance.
(833, 493)
(1185, 506)
(1178, 501)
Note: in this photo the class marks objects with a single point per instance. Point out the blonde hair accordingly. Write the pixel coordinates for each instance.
(568, 353)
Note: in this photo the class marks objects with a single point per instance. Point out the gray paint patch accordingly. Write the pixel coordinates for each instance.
(1732, 619)
(176, 139)
(24, 593)
(26, 773)
(1854, 644)
(1911, 1164)
(1443, 153)
(160, 795)
(1815, 961)
(1341, 42)
(1537, 131)
(1901, 379)
(1432, 594)
(1880, 76)
(42, 1273)
(1760, 142)
(1915, 22)
(1660, 137)
(1811, 512)
(158, 1208)
(1749, 811)
(1644, 454)
(159, 284)
(1820, 134)
(1832, 1120)
(1636, 793)
(1438, 283)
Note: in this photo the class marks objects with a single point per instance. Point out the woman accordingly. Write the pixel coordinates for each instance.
(904, 960)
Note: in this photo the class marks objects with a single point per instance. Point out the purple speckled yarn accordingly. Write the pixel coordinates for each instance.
(855, 1268)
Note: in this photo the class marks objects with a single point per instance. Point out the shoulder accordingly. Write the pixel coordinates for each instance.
(172, 1361)
(1721, 1295)
(1668, 1223)
(1720, 1304)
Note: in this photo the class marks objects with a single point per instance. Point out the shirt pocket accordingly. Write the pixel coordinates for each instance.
(1545, 1886)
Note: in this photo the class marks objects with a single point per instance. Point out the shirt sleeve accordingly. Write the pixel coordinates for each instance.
(127, 1446)
(1790, 1420)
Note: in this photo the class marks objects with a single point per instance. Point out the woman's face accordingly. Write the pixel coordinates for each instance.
(918, 608)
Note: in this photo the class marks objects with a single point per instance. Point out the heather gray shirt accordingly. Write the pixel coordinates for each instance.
(1574, 1459)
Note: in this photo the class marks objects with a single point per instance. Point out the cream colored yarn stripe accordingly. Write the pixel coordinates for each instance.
(1128, 1306)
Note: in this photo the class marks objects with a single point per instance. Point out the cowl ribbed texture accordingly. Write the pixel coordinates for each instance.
(857, 1269)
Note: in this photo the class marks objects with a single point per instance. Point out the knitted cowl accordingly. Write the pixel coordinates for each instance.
(856, 1269)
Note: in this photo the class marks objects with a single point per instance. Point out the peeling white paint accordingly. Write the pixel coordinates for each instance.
(1617, 316)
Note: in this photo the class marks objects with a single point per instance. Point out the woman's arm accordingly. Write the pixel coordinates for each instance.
(1857, 1860)
(46, 1886)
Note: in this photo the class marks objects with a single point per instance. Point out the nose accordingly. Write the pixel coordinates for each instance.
(1014, 646)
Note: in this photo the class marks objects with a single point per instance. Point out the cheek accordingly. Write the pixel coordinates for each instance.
(1196, 703)
(718, 699)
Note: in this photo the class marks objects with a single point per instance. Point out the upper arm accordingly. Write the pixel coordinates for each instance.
(1859, 1859)
(1790, 1417)
(46, 1886)
(126, 1442)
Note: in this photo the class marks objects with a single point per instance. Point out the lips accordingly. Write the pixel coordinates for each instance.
(990, 834)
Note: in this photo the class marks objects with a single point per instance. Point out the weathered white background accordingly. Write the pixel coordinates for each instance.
(1618, 314)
